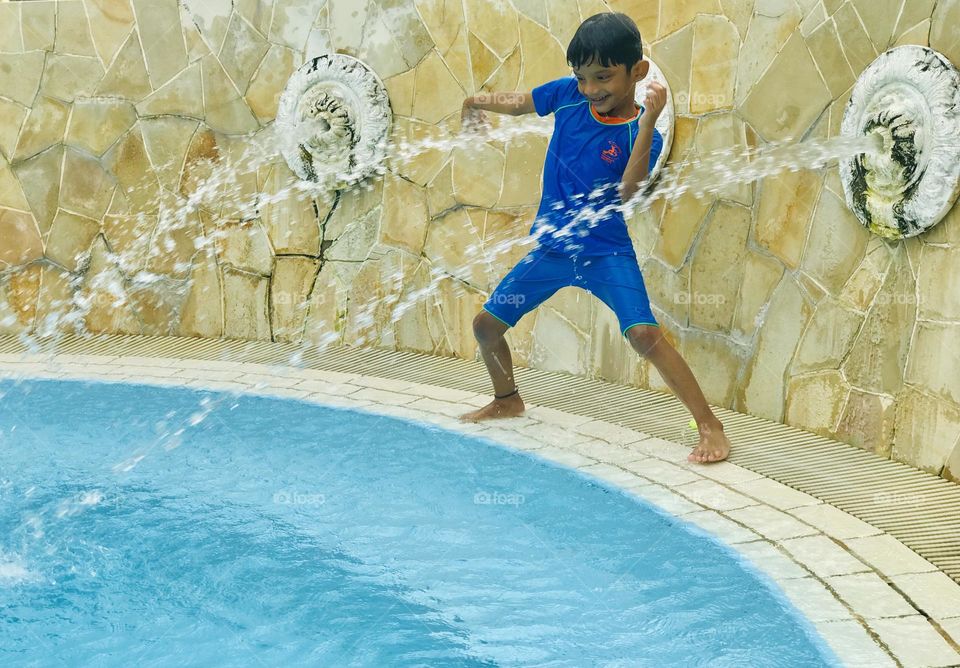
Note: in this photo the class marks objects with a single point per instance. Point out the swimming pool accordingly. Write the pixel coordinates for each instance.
(159, 526)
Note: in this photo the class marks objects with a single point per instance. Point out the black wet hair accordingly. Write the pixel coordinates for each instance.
(610, 38)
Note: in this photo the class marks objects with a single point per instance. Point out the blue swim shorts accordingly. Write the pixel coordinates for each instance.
(614, 279)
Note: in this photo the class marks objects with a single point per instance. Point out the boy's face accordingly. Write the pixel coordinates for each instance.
(611, 89)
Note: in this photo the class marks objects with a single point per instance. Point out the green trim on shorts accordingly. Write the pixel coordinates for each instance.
(624, 332)
(497, 317)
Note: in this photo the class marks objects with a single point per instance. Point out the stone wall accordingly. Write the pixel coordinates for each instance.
(114, 114)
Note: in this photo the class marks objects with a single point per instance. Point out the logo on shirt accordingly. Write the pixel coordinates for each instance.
(608, 155)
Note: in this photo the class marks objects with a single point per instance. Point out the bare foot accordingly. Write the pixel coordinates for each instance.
(498, 408)
(714, 446)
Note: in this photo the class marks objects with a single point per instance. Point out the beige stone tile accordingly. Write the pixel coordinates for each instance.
(715, 49)
(772, 524)
(293, 279)
(724, 529)
(870, 596)
(494, 23)
(724, 472)
(270, 380)
(245, 306)
(786, 317)
(437, 94)
(383, 396)
(800, 104)
(182, 95)
(832, 330)
(164, 49)
(38, 25)
(73, 30)
(45, 126)
(786, 208)
(822, 556)
(834, 522)
(761, 274)
(70, 239)
(110, 23)
(934, 593)
(826, 50)
(22, 242)
(672, 55)
(663, 498)
(477, 175)
(857, 45)
(20, 76)
(338, 401)
(665, 450)
(853, 645)
(564, 457)
(889, 556)
(10, 35)
(134, 370)
(126, 78)
(550, 62)
(772, 561)
(388, 384)
(558, 436)
(814, 600)
(610, 432)
(510, 438)
(439, 406)
(201, 314)
(716, 271)
(523, 165)
(662, 472)
(836, 244)
(714, 495)
(776, 494)
(242, 51)
(914, 642)
(553, 416)
(762, 41)
(608, 452)
(12, 116)
(67, 77)
(403, 224)
(444, 394)
(263, 94)
(879, 17)
(85, 187)
(224, 108)
(613, 475)
(952, 628)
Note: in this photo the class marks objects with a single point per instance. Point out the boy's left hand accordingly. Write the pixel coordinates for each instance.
(654, 102)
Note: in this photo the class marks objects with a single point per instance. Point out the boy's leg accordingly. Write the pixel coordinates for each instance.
(496, 355)
(617, 281)
(531, 282)
(649, 341)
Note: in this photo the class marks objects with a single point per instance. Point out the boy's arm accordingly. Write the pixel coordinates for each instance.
(513, 103)
(638, 166)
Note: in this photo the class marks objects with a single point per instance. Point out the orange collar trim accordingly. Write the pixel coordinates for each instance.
(613, 120)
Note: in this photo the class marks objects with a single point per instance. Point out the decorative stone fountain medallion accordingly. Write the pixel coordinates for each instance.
(909, 99)
(334, 118)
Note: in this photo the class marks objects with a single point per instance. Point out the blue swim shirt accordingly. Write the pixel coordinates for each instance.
(584, 165)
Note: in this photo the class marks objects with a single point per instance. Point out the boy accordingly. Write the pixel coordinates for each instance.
(602, 148)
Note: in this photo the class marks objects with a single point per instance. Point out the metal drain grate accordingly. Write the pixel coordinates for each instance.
(919, 509)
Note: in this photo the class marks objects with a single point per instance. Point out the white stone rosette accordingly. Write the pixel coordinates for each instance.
(909, 97)
(334, 119)
(665, 122)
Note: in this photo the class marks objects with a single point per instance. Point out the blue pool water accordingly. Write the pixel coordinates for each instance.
(144, 526)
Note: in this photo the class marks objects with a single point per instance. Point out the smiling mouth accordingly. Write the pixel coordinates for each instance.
(599, 99)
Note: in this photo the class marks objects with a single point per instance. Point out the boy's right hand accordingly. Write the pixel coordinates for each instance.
(473, 119)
